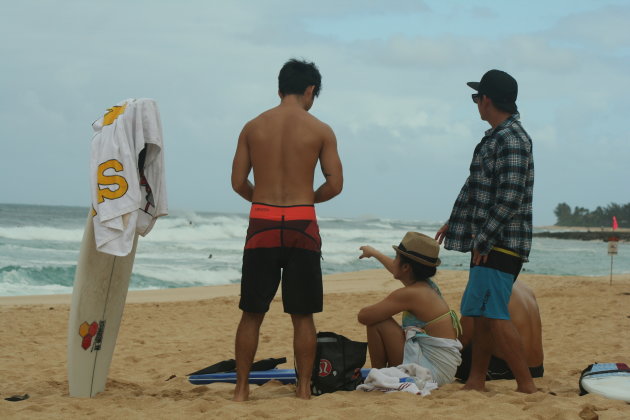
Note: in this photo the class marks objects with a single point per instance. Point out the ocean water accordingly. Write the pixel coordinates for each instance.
(39, 249)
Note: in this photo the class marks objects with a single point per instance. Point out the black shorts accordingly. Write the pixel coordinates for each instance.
(497, 368)
(283, 243)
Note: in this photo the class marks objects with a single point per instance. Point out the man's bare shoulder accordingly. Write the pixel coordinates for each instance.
(322, 130)
(322, 125)
(272, 118)
(523, 301)
(523, 291)
(263, 116)
(258, 124)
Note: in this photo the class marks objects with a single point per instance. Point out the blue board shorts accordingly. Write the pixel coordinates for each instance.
(490, 284)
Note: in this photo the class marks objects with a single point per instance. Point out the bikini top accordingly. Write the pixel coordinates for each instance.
(409, 320)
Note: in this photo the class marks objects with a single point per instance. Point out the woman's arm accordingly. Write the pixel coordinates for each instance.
(369, 252)
(393, 304)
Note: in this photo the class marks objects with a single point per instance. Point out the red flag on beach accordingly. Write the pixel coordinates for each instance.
(615, 225)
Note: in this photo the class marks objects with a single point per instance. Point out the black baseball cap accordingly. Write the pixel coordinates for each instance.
(500, 87)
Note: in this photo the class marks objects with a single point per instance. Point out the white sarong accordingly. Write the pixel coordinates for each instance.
(440, 355)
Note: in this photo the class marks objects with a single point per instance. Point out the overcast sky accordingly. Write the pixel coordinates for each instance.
(394, 91)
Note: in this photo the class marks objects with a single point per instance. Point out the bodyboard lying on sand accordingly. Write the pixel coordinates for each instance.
(98, 299)
(610, 380)
(285, 376)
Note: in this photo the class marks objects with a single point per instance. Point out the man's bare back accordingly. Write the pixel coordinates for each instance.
(526, 318)
(282, 146)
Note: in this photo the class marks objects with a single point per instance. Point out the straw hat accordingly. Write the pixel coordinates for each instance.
(420, 248)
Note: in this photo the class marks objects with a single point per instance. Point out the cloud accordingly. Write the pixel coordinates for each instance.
(605, 28)
(394, 92)
(483, 13)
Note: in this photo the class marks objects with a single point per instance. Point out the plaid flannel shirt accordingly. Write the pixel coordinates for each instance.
(494, 207)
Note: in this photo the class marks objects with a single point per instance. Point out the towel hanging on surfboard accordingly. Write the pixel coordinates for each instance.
(127, 174)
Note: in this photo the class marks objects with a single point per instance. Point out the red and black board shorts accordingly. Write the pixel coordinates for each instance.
(283, 243)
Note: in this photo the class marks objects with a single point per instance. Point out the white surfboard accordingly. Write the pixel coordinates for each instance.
(98, 299)
(615, 387)
(608, 380)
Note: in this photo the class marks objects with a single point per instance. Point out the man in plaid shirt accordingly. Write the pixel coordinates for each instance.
(492, 218)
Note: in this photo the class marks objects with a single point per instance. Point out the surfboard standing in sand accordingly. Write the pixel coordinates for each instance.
(128, 195)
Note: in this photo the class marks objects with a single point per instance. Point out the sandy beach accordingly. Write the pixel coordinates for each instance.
(166, 334)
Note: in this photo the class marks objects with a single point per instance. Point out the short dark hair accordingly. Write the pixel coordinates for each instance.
(420, 272)
(296, 75)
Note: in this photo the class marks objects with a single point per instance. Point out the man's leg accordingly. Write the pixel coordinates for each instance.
(386, 343)
(304, 349)
(245, 349)
(481, 353)
(508, 342)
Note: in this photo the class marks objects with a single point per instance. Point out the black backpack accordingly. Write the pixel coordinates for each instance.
(338, 363)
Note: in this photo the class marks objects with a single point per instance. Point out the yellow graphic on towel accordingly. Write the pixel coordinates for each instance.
(113, 113)
(104, 181)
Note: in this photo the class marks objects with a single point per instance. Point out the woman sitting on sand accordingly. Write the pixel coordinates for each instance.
(430, 329)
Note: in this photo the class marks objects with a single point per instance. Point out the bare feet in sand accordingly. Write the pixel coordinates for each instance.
(482, 388)
(302, 393)
(241, 393)
(527, 389)
(474, 387)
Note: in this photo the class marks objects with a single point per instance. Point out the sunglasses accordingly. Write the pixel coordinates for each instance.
(476, 97)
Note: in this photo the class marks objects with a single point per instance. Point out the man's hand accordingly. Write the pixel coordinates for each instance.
(368, 252)
(441, 234)
(477, 258)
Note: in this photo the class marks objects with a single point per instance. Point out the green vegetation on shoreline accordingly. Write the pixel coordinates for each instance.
(601, 217)
(585, 235)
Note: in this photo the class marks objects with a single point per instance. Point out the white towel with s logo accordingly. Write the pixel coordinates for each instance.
(125, 199)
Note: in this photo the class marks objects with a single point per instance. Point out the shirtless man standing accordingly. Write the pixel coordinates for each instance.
(282, 146)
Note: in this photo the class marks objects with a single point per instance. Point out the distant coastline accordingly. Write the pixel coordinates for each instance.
(582, 233)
